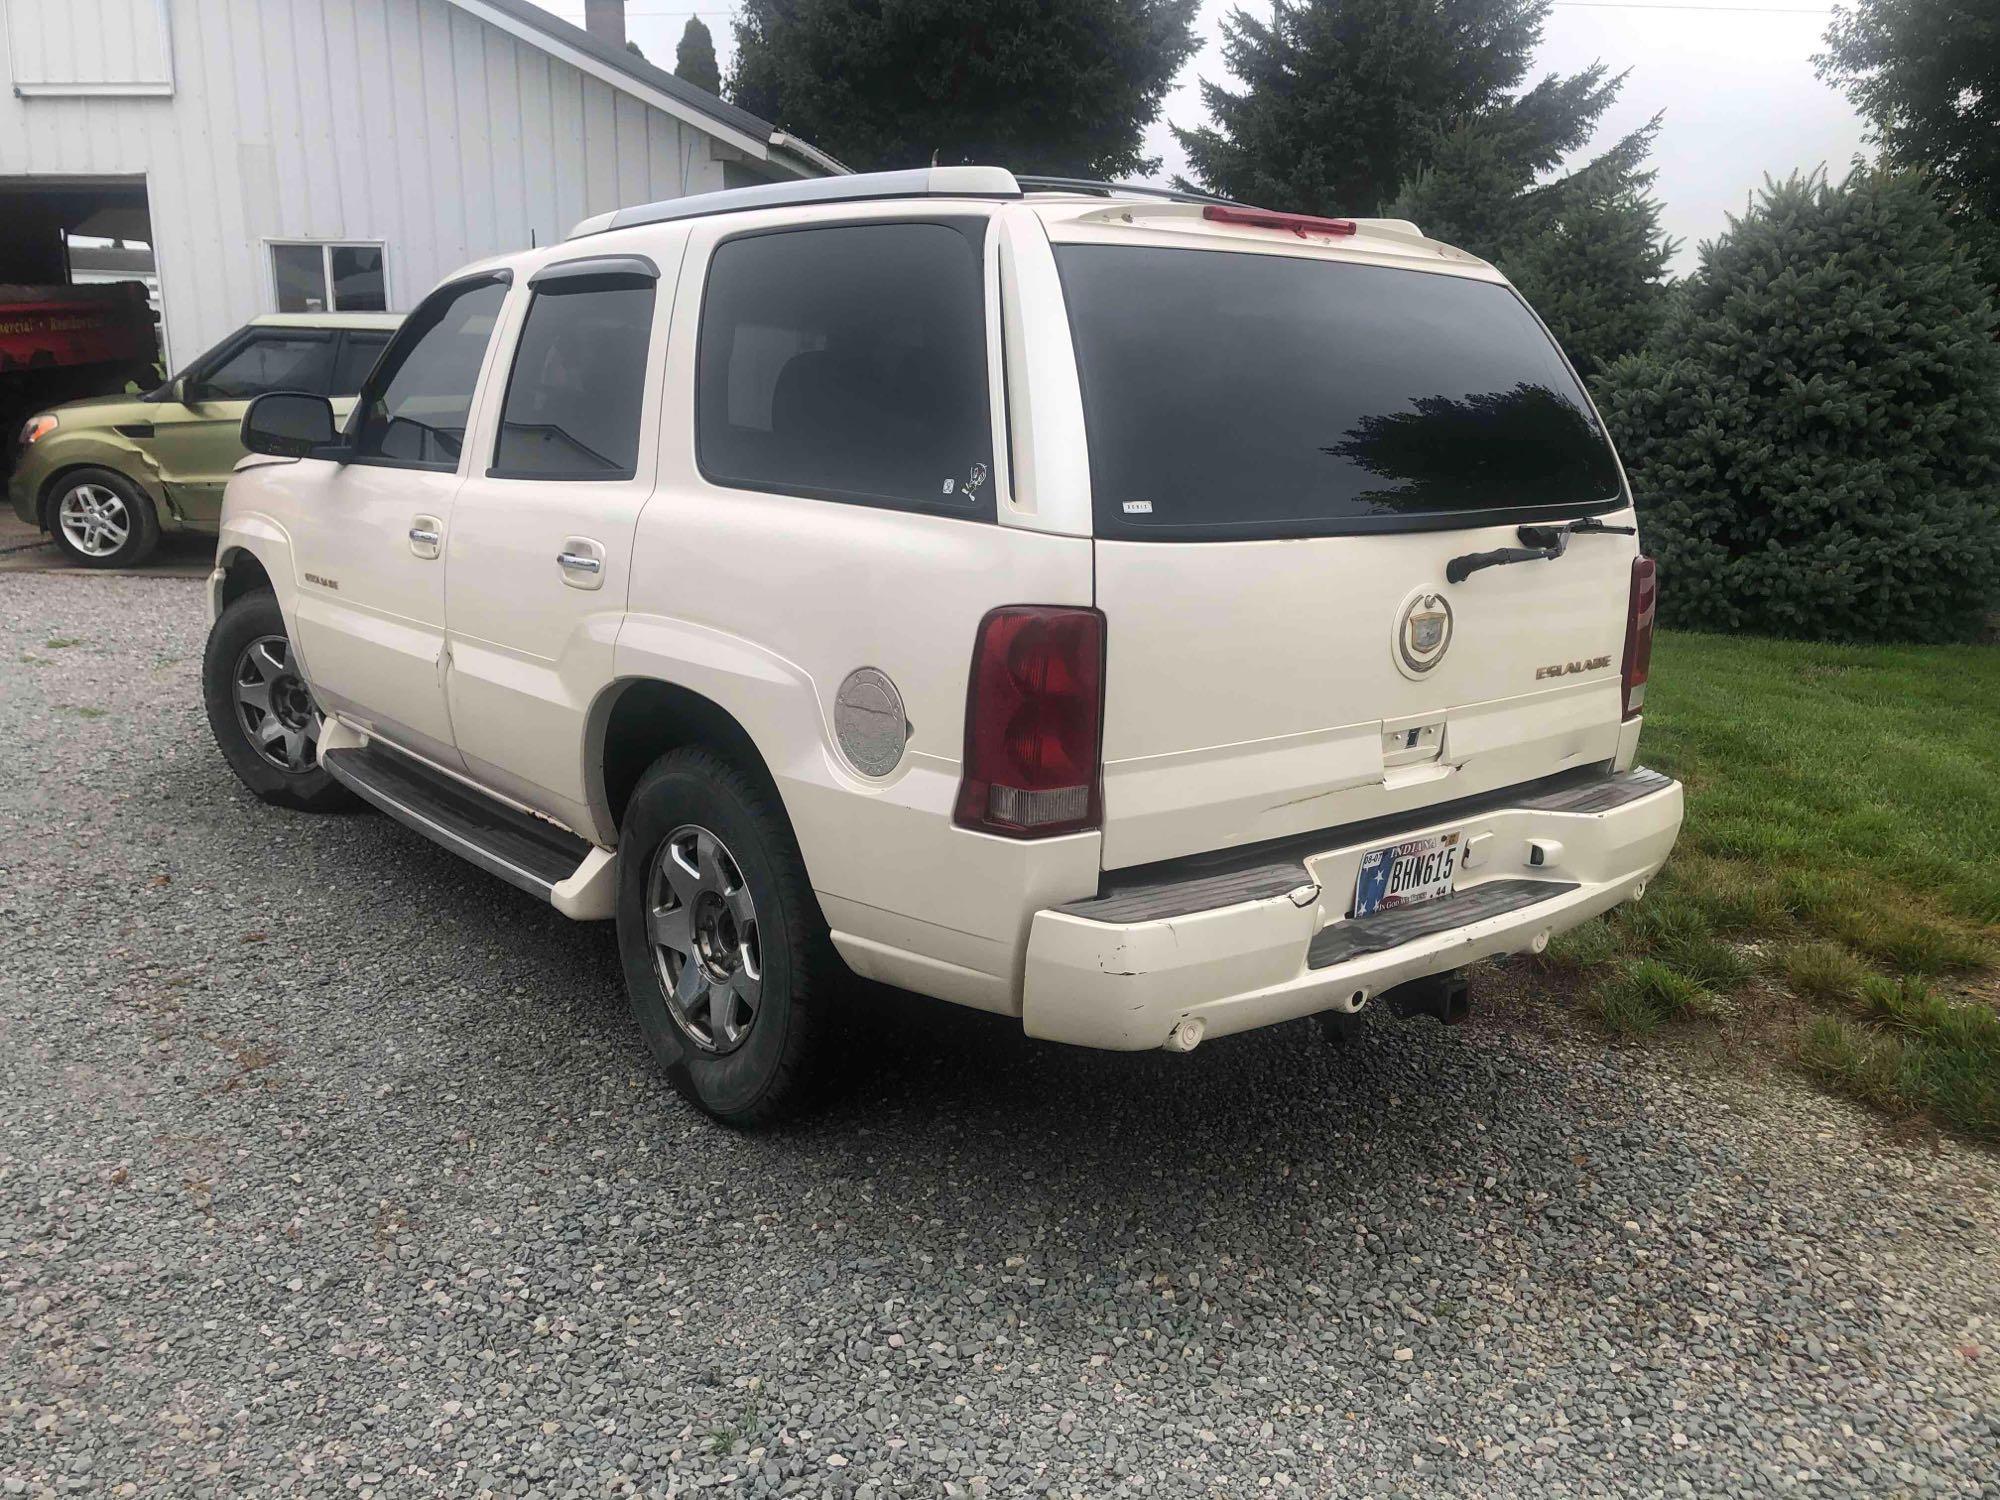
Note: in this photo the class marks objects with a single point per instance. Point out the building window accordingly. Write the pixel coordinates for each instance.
(313, 278)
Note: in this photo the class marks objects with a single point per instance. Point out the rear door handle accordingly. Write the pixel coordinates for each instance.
(582, 562)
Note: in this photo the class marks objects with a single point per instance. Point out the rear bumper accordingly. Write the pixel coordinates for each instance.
(1254, 946)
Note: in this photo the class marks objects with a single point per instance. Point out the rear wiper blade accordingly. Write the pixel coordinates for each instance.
(1543, 543)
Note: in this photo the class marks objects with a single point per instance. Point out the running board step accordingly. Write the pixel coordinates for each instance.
(520, 848)
(1391, 929)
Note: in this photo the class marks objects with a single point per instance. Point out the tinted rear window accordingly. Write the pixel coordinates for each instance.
(849, 363)
(1233, 395)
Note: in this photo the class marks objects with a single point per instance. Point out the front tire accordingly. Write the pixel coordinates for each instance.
(261, 709)
(727, 960)
(101, 519)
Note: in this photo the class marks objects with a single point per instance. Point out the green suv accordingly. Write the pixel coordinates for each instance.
(107, 476)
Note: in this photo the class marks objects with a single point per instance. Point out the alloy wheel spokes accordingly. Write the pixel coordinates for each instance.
(94, 519)
(702, 926)
(275, 706)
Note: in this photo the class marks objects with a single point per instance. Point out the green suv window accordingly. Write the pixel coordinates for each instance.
(270, 362)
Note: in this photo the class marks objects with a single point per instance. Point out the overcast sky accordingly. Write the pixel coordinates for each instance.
(1734, 77)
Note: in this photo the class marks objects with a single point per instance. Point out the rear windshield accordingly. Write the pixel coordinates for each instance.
(1234, 395)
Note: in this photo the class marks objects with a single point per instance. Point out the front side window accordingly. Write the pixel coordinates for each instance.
(415, 405)
(1238, 395)
(268, 362)
(579, 381)
(320, 277)
(848, 363)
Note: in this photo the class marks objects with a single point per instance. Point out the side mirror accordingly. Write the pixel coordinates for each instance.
(289, 424)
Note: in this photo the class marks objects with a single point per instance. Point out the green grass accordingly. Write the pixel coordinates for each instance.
(1825, 973)
(1843, 803)
(1860, 768)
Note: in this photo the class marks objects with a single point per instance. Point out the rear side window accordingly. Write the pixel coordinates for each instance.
(358, 353)
(1234, 395)
(414, 406)
(269, 362)
(579, 381)
(849, 363)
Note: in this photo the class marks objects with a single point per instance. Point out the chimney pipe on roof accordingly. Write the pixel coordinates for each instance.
(605, 20)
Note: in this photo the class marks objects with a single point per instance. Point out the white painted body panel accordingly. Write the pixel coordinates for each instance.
(1248, 684)
(1254, 680)
(532, 647)
(764, 603)
(370, 619)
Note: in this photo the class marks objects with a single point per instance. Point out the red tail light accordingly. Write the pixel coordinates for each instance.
(1032, 721)
(1264, 218)
(1639, 634)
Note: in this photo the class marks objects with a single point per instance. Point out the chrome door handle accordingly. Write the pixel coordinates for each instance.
(425, 535)
(577, 562)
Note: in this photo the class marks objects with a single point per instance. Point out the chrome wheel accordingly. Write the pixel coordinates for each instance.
(94, 519)
(702, 926)
(275, 707)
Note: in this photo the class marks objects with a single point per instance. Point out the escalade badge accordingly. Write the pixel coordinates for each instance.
(1423, 634)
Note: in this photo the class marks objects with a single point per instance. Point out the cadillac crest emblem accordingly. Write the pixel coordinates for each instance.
(1423, 633)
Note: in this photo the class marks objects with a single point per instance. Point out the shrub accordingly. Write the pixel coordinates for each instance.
(1814, 435)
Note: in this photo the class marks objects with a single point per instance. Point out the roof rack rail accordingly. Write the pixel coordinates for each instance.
(855, 187)
(1112, 189)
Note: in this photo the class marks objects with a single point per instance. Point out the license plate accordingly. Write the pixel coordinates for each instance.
(1407, 873)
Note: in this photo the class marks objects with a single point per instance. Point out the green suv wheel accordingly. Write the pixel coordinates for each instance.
(100, 519)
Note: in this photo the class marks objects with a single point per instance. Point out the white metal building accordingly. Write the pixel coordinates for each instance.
(281, 155)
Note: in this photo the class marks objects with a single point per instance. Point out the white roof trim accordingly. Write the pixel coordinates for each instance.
(625, 83)
(832, 166)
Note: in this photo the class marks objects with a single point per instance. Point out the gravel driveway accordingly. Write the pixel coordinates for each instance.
(330, 1165)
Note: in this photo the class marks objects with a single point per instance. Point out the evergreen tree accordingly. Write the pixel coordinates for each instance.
(1814, 435)
(1926, 74)
(1062, 86)
(1585, 249)
(1340, 98)
(694, 58)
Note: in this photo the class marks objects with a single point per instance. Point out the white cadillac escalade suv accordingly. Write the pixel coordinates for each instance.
(1143, 615)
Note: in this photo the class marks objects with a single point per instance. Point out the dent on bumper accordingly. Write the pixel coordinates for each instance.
(1128, 985)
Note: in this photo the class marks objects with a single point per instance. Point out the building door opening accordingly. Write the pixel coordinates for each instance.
(79, 313)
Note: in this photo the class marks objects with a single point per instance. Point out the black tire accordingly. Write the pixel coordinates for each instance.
(106, 493)
(777, 1066)
(301, 784)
